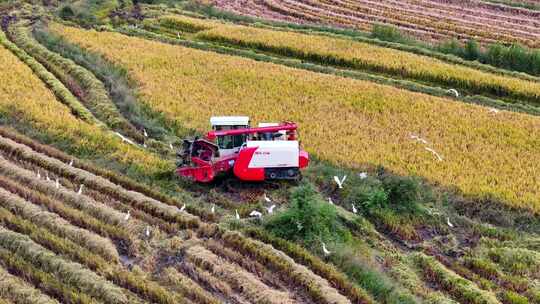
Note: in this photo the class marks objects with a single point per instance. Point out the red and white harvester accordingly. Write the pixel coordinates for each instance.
(269, 151)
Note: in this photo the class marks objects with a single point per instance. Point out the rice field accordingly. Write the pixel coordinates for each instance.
(353, 123)
(430, 20)
(24, 98)
(362, 56)
(107, 244)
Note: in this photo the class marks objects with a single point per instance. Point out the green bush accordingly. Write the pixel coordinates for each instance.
(387, 33)
(511, 297)
(66, 13)
(403, 192)
(308, 220)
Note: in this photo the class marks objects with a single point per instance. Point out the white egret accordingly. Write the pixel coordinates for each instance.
(453, 92)
(448, 222)
(256, 214)
(439, 157)
(354, 209)
(330, 201)
(147, 231)
(326, 251)
(271, 209)
(237, 215)
(340, 182)
(183, 208)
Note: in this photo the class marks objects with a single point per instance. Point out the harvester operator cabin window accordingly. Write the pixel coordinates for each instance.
(231, 141)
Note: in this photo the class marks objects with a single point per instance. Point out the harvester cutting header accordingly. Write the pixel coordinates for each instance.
(267, 152)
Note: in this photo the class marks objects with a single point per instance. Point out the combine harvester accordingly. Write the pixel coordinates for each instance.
(268, 152)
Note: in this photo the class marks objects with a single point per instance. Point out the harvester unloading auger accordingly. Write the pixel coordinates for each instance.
(267, 152)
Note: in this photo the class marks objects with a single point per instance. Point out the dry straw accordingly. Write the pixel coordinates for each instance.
(69, 273)
(246, 283)
(58, 225)
(20, 292)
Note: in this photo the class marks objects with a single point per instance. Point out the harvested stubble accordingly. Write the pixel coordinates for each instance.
(252, 266)
(116, 178)
(319, 267)
(80, 81)
(25, 100)
(240, 280)
(46, 281)
(115, 273)
(188, 287)
(20, 292)
(71, 274)
(317, 287)
(58, 225)
(206, 279)
(461, 289)
(370, 123)
(135, 199)
(79, 209)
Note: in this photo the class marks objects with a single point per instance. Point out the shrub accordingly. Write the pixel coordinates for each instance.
(511, 297)
(387, 33)
(403, 192)
(66, 12)
(308, 220)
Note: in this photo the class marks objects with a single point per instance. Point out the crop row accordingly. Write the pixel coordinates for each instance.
(59, 90)
(59, 225)
(80, 81)
(426, 20)
(114, 273)
(15, 151)
(464, 290)
(18, 290)
(26, 100)
(115, 178)
(25, 154)
(299, 275)
(111, 218)
(100, 184)
(343, 120)
(440, 23)
(364, 56)
(472, 18)
(241, 281)
(71, 274)
(74, 216)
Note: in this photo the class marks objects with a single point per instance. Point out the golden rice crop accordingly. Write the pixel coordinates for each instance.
(25, 99)
(346, 121)
(366, 56)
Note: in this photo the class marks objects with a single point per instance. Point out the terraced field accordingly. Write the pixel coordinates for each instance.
(429, 20)
(441, 200)
(79, 238)
(345, 121)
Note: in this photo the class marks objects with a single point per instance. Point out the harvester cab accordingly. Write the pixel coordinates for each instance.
(269, 151)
